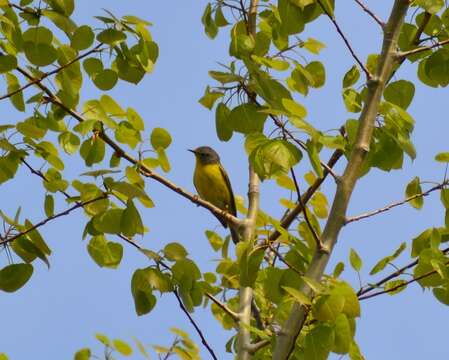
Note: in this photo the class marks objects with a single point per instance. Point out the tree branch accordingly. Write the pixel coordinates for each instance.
(393, 275)
(345, 40)
(223, 307)
(198, 330)
(370, 13)
(146, 171)
(292, 327)
(395, 204)
(246, 292)
(417, 50)
(53, 217)
(293, 214)
(53, 72)
(399, 286)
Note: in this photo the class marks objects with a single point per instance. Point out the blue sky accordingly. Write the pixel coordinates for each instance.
(61, 309)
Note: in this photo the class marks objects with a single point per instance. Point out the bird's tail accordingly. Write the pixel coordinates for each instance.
(235, 236)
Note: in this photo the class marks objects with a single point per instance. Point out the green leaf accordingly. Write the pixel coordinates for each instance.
(313, 45)
(131, 222)
(69, 142)
(380, 265)
(209, 98)
(318, 72)
(442, 294)
(83, 354)
(442, 157)
(414, 188)
(355, 260)
(279, 65)
(225, 77)
(294, 108)
(444, 196)
(352, 100)
(92, 66)
(319, 342)
(103, 339)
(40, 54)
(175, 252)
(92, 151)
(214, 239)
(351, 77)
(122, 347)
(246, 119)
(343, 335)
(351, 306)
(144, 300)
(400, 93)
(160, 138)
(108, 221)
(297, 295)
(7, 63)
(105, 253)
(105, 80)
(134, 119)
(82, 38)
(292, 19)
(49, 205)
(274, 157)
(210, 27)
(13, 85)
(13, 277)
(111, 36)
(431, 6)
(224, 130)
(328, 307)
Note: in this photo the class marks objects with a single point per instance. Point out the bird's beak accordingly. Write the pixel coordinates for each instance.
(192, 151)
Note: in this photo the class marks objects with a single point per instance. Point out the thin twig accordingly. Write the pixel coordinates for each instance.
(400, 285)
(417, 50)
(393, 275)
(345, 40)
(223, 307)
(198, 330)
(55, 71)
(318, 242)
(370, 13)
(395, 204)
(50, 218)
(292, 215)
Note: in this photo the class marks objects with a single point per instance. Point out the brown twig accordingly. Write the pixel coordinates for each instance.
(55, 71)
(417, 50)
(292, 215)
(400, 285)
(393, 275)
(198, 330)
(223, 307)
(318, 242)
(395, 204)
(345, 40)
(50, 218)
(370, 13)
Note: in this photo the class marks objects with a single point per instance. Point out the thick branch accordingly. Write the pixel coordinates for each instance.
(395, 204)
(146, 171)
(290, 330)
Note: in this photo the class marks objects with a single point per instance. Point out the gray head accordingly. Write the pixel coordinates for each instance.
(206, 155)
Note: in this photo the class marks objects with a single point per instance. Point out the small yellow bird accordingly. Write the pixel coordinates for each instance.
(213, 185)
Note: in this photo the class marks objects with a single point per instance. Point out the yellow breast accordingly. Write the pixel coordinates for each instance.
(211, 185)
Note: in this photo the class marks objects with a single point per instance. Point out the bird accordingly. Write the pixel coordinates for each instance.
(212, 184)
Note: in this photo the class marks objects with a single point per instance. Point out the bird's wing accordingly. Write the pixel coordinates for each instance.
(232, 208)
